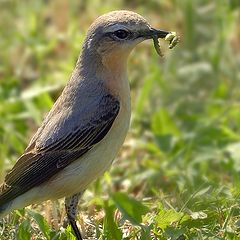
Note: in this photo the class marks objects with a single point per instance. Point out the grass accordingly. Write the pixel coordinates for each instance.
(178, 174)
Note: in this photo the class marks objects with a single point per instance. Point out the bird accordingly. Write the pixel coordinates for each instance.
(83, 132)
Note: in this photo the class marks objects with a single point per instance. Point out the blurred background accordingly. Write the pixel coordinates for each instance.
(178, 174)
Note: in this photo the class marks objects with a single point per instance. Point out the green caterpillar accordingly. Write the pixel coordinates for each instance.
(172, 38)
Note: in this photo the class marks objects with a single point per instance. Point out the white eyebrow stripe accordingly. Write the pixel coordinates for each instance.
(115, 27)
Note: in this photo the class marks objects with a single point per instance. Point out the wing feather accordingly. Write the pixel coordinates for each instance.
(38, 164)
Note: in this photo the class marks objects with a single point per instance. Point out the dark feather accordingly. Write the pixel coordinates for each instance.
(39, 163)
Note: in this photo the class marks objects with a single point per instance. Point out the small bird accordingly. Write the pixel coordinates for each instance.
(84, 130)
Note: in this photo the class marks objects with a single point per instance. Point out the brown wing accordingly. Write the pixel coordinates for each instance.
(36, 166)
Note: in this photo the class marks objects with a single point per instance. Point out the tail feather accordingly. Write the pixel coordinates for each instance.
(8, 203)
(5, 206)
(4, 210)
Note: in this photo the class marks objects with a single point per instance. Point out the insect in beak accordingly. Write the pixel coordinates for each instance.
(155, 34)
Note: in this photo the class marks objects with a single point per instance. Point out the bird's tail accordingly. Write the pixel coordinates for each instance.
(5, 209)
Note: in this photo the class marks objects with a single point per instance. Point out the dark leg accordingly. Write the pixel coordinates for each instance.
(71, 204)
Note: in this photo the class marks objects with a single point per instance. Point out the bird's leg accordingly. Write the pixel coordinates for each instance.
(71, 204)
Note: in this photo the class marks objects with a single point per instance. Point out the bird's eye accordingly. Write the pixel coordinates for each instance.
(121, 34)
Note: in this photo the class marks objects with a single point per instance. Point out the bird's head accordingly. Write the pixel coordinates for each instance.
(115, 34)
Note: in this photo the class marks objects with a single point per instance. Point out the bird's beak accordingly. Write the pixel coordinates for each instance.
(152, 32)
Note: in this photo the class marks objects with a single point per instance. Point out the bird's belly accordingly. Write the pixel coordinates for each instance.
(79, 174)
